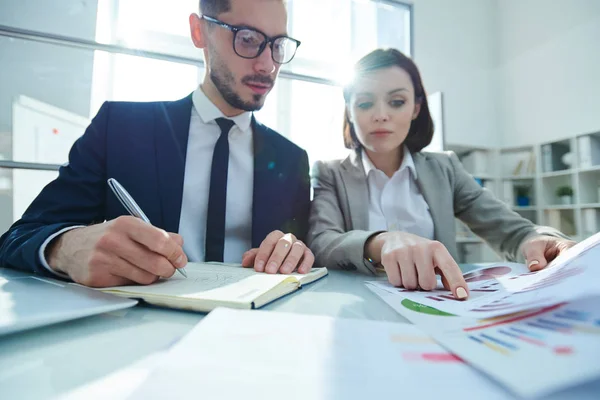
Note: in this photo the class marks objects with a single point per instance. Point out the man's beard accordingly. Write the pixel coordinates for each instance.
(225, 82)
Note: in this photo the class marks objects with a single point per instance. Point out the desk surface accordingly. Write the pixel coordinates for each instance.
(50, 361)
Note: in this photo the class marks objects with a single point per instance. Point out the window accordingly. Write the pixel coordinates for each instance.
(335, 33)
(320, 133)
(145, 25)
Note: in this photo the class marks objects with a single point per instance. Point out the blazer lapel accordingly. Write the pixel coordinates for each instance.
(171, 137)
(429, 183)
(357, 191)
(265, 170)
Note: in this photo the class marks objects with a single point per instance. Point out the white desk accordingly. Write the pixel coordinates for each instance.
(50, 361)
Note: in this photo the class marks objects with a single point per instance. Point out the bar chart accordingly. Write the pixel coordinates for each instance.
(556, 329)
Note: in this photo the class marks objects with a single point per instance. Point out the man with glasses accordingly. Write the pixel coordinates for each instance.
(233, 189)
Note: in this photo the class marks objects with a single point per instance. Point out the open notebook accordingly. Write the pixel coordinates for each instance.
(211, 285)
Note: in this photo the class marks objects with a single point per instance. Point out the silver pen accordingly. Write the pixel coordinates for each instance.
(132, 207)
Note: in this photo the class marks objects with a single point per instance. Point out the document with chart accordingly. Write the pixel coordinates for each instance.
(533, 353)
(506, 288)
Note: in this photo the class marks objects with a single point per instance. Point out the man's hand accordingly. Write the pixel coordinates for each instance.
(280, 252)
(123, 251)
(541, 250)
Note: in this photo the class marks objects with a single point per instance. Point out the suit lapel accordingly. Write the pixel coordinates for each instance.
(171, 137)
(430, 184)
(357, 191)
(265, 170)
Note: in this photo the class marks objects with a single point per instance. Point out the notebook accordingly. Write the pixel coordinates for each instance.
(211, 285)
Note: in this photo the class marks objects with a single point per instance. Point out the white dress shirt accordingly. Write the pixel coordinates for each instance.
(204, 133)
(396, 203)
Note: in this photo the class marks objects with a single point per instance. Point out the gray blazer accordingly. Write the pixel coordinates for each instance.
(339, 216)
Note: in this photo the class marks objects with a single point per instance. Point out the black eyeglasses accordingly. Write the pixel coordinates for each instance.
(250, 43)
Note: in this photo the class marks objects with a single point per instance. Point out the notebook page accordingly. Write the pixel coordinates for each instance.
(210, 281)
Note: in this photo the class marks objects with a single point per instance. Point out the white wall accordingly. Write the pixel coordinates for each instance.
(550, 73)
(455, 48)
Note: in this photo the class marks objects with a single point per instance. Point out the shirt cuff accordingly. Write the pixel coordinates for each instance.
(42, 251)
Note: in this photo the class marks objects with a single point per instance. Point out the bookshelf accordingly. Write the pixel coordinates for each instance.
(482, 164)
(530, 180)
(579, 169)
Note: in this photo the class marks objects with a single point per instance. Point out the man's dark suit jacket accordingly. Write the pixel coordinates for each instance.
(143, 146)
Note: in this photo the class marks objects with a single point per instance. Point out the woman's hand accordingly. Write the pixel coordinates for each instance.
(540, 250)
(412, 262)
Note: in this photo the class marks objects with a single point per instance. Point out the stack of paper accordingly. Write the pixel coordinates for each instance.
(507, 288)
(535, 333)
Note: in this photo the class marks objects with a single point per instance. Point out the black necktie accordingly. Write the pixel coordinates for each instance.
(217, 197)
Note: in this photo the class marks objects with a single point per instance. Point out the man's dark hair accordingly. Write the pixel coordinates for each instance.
(213, 8)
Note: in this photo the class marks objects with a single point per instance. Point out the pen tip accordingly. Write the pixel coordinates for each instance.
(183, 272)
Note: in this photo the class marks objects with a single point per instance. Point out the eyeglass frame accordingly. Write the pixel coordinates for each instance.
(268, 39)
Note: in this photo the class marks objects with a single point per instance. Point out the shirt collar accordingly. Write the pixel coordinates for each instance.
(209, 112)
(407, 162)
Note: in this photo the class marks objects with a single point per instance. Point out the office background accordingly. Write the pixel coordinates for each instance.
(515, 75)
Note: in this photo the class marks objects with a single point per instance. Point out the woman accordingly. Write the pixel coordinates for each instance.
(392, 205)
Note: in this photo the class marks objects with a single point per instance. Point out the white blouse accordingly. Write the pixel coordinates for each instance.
(396, 203)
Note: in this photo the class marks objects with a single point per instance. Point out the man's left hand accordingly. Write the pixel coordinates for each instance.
(280, 252)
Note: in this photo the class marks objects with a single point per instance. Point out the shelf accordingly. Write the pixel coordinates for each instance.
(595, 168)
(558, 173)
(519, 178)
(590, 205)
(519, 149)
(561, 207)
(467, 240)
(528, 208)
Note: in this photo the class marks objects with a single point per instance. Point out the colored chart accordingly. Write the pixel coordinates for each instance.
(432, 357)
(508, 319)
(442, 297)
(552, 328)
(490, 287)
(487, 273)
(423, 309)
(508, 303)
(511, 339)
